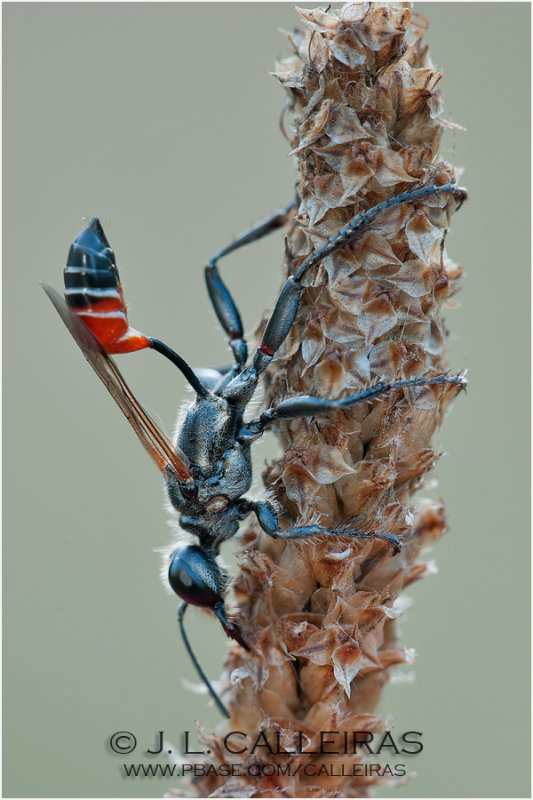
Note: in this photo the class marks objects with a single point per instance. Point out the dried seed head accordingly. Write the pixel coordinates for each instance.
(320, 614)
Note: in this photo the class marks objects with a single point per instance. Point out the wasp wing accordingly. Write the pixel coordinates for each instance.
(157, 444)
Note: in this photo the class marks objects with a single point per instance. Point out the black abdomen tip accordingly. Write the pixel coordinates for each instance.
(91, 265)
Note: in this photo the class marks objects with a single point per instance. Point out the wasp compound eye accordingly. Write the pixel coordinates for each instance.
(195, 576)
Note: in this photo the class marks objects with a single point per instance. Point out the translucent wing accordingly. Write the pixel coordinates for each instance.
(149, 433)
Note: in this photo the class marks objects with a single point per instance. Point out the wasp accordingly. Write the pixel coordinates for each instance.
(207, 470)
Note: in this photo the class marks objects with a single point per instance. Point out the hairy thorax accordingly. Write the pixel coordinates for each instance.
(221, 463)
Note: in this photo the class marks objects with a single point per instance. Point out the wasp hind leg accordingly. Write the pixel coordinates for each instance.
(284, 313)
(221, 299)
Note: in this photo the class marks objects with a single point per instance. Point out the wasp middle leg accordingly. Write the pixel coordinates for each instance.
(309, 406)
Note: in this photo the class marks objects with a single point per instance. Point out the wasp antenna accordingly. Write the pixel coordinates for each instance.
(181, 364)
(220, 705)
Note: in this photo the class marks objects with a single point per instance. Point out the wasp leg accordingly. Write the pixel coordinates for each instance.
(221, 299)
(284, 313)
(307, 406)
(268, 520)
(262, 228)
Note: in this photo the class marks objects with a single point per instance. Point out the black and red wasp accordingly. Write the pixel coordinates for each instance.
(207, 470)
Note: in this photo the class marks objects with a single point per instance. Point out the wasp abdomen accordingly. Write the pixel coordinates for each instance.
(94, 293)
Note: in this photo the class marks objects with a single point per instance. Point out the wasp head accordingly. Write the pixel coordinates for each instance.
(196, 577)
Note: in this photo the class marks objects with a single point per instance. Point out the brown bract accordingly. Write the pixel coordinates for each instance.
(319, 614)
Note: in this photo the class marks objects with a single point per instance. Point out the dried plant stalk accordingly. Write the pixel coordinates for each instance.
(320, 613)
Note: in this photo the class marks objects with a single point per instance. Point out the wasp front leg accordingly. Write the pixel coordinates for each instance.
(269, 522)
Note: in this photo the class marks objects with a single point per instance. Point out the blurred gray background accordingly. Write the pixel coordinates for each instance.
(160, 119)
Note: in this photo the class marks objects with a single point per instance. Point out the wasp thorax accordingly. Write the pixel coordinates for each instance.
(216, 505)
(196, 577)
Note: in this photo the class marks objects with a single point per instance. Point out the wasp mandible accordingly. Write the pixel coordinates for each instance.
(207, 470)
